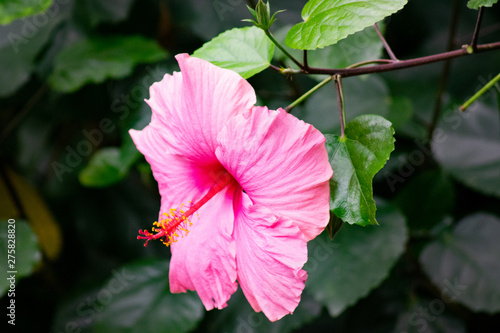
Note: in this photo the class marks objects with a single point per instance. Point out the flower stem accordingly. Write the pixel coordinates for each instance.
(481, 91)
(308, 94)
(340, 100)
(282, 49)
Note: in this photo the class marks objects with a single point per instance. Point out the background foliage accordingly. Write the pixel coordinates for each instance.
(73, 82)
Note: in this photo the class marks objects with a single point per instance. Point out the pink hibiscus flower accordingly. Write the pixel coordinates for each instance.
(242, 188)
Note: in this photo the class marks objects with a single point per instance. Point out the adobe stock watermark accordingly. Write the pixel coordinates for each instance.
(421, 317)
(88, 309)
(417, 157)
(32, 25)
(222, 7)
(358, 43)
(94, 137)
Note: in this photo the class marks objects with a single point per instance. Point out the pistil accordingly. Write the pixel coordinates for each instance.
(175, 223)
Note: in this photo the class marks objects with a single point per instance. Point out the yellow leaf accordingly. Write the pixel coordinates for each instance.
(37, 213)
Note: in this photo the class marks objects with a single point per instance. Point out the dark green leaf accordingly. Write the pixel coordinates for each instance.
(104, 11)
(77, 311)
(326, 22)
(26, 253)
(107, 221)
(322, 110)
(110, 165)
(475, 4)
(11, 10)
(97, 59)
(355, 160)
(144, 303)
(400, 111)
(467, 145)
(429, 316)
(427, 199)
(358, 260)
(24, 41)
(247, 51)
(464, 263)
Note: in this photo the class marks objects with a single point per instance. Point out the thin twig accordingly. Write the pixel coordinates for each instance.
(481, 91)
(475, 35)
(445, 74)
(384, 42)
(340, 101)
(282, 49)
(309, 93)
(275, 68)
(24, 112)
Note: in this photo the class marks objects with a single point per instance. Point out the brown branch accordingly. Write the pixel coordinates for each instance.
(475, 35)
(347, 72)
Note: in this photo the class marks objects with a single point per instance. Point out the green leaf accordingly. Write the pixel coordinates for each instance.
(111, 164)
(355, 160)
(240, 317)
(23, 43)
(427, 199)
(467, 145)
(464, 263)
(97, 59)
(475, 4)
(247, 51)
(77, 310)
(326, 22)
(26, 253)
(96, 11)
(400, 111)
(322, 110)
(104, 168)
(11, 10)
(144, 303)
(362, 46)
(342, 271)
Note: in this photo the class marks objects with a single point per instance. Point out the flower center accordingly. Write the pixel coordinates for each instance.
(175, 223)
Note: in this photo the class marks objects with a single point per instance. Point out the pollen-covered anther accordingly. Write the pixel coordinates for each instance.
(172, 226)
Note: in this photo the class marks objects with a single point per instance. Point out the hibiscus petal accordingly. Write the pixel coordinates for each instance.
(205, 259)
(190, 108)
(281, 163)
(180, 180)
(270, 253)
